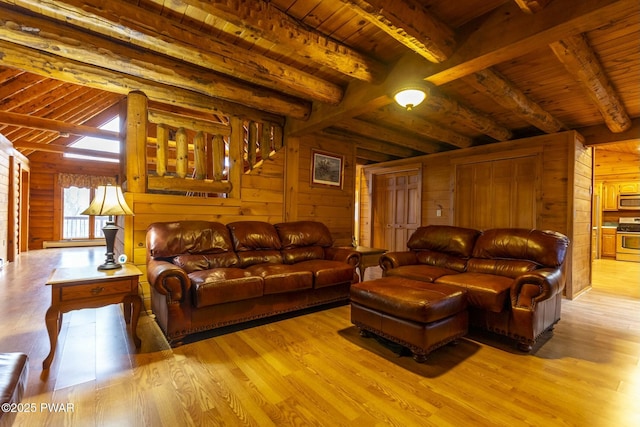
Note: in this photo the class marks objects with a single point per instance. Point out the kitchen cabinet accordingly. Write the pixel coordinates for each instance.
(609, 196)
(608, 248)
(629, 188)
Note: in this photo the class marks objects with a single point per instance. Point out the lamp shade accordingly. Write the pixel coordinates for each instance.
(410, 96)
(109, 200)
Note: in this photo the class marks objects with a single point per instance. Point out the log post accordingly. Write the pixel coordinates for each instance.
(236, 157)
(162, 149)
(252, 141)
(182, 153)
(136, 142)
(218, 157)
(200, 156)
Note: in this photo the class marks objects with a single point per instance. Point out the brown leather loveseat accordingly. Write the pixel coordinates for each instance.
(513, 277)
(204, 275)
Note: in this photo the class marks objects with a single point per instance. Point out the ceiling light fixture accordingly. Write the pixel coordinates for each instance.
(411, 95)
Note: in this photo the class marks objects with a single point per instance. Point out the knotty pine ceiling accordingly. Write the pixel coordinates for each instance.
(499, 69)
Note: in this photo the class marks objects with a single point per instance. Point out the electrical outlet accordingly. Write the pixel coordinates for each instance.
(438, 212)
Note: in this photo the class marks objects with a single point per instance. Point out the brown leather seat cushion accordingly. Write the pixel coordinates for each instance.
(486, 291)
(420, 272)
(410, 299)
(13, 380)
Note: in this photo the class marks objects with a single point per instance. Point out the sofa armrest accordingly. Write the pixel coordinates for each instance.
(168, 279)
(343, 254)
(538, 285)
(396, 259)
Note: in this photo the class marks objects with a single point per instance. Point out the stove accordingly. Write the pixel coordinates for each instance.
(628, 239)
(629, 225)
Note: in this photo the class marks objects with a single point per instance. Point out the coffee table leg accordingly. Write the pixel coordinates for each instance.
(53, 320)
(133, 304)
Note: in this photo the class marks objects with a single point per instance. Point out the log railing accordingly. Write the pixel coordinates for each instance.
(176, 154)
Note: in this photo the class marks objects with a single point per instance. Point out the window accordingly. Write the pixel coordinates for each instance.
(76, 225)
(99, 144)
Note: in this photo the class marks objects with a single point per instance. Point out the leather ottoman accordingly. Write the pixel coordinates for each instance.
(418, 315)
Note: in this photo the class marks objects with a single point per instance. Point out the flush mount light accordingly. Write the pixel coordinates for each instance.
(410, 96)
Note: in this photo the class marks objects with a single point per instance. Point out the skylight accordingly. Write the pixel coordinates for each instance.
(98, 144)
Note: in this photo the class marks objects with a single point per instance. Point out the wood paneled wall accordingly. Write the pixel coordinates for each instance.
(45, 216)
(564, 164)
(6, 150)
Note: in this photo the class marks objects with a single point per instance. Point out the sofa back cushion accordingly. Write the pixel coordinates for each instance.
(439, 259)
(255, 242)
(298, 234)
(303, 240)
(191, 263)
(170, 239)
(501, 267)
(455, 241)
(544, 248)
(254, 236)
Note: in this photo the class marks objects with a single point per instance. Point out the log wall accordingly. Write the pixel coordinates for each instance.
(564, 164)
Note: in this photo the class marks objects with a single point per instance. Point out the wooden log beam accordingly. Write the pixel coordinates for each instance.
(506, 94)
(264, 20)
(61, 149)
(599, 135)
(507, 33)
(374, 145)
(410, 23)
(581, 62)
(175, 120)
(133, 25)
(391, 136)
(171, 183)
(71, 44)
(52, 66)
(32, 122)
(531, 6)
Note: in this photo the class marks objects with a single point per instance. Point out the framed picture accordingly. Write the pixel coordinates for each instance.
(326, 169)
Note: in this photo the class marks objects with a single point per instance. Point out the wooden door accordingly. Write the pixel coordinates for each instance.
(396, 208)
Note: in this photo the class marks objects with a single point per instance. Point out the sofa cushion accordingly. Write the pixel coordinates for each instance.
(501, 267)
(191, 263)
(456, 241)
(221, 285)
(282, 278)
(327, 273)
(304, 233)
(169, 239)
(421, 272)
(248, 258)
(254, 235)
(546, 248)
(442, 260)
(485, 291)
(305, 253)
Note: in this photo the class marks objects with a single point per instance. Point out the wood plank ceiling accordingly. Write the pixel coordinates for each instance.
(498, 69)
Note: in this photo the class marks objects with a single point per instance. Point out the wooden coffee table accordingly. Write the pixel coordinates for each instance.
(369, 257)
(87, 287)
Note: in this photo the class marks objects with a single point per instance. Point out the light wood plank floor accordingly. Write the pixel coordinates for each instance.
(316, 370)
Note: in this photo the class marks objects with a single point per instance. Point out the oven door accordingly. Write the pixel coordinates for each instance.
(627, 246)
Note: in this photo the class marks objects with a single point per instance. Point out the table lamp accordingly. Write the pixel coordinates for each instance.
(109, 200)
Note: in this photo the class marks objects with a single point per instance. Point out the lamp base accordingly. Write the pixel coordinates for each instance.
(109, 266)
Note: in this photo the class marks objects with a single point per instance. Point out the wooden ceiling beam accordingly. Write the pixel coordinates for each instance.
(72, 44)
(265, 21)
(131, 24)
(581, 62)
(52, 66)
(531, 6)
(387, 135)
(32, 122)
(52, 148)
(506, 94)
(370, 144)
(600, 135)
(507, 33)
(410, 23)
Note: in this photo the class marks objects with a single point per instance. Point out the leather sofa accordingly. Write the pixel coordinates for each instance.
(14, 370)
(205, 275)
(514, 278)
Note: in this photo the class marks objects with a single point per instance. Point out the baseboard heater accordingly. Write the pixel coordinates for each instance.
(72, 243)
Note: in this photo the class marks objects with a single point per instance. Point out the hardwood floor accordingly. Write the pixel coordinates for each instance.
(315, 369)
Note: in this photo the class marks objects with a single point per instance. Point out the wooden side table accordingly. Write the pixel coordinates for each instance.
(369, 257)
(87, 287)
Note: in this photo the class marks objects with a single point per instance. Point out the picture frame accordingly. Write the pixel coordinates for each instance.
(327, 169)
